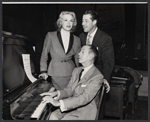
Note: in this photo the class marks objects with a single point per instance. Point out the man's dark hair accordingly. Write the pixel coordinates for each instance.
(95, 51)
(93, 13)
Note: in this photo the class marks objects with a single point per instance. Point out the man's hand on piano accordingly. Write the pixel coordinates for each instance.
(43, 75)
(107, 86)
(51, 94)
(49, 99)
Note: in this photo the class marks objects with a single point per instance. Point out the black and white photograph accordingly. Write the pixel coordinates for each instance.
(74, 61)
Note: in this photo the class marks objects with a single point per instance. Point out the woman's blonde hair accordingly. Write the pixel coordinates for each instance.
(59, 24)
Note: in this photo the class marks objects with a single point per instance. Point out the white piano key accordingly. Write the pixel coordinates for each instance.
(37, 113)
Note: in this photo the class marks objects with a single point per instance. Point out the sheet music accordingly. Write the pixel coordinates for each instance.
(27, 67)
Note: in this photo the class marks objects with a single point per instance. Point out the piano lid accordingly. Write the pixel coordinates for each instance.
(14, 75)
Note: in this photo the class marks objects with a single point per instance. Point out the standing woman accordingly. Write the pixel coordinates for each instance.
(63, 46)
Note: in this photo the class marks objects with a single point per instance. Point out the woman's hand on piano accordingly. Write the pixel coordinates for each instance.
(51, 94)
(49, 99)
(43, 75)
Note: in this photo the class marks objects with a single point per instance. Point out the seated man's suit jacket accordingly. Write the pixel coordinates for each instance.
(79, 96)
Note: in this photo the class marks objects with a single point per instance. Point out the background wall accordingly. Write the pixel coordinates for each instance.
(126, 23)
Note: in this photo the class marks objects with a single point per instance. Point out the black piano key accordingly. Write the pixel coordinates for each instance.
(31, 107)
(27, 112)
(39, 90)
(24, 116)
(38, 98)
(35, 102)
(20, 109)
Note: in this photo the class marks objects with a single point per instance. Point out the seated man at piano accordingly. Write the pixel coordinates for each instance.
(76, 101)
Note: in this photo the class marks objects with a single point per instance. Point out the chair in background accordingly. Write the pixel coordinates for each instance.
(134, 87)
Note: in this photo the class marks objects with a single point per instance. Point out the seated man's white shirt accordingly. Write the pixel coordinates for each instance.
(85, 70)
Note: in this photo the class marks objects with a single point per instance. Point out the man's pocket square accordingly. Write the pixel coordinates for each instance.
(82, 85)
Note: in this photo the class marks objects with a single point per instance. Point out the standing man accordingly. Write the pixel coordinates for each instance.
(102, 41)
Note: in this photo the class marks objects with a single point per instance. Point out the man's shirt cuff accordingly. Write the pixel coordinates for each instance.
(62, 106)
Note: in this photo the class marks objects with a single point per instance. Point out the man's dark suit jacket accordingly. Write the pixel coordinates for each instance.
(103, 43)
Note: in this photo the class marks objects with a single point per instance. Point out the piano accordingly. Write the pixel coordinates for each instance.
(21, 97)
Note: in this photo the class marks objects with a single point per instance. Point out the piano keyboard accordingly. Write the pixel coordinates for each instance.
(32, 107)
(38, 111)
(33, 110)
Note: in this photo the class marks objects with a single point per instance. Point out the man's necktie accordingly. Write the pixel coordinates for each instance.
(88, 39)
(80, 74)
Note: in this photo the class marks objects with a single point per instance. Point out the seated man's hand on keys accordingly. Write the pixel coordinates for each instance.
(49, 99)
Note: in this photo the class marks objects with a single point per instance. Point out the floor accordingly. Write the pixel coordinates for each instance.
(141, 113)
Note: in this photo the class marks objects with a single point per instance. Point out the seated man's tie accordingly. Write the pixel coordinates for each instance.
(80, 74)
